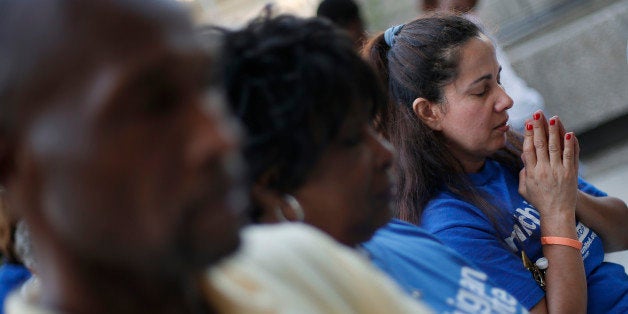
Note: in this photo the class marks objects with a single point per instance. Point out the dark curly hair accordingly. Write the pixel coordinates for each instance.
(341, 12)
(294, 82)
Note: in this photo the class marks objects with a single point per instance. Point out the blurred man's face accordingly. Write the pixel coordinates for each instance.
(138, 167)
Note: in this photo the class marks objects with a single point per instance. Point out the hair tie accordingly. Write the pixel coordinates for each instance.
(390, 33)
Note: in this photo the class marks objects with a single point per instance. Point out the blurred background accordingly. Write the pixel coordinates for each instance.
(574, 52)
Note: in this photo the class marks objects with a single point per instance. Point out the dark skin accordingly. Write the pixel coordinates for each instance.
(125, 171)
(350, 182)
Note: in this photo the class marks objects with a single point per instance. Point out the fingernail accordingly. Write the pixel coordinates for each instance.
(528, 126)
(552, 121)
(568, 136)
(537, 116)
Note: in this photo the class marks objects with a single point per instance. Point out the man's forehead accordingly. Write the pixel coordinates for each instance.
(77, 30)
(52, 45)
(103, 20)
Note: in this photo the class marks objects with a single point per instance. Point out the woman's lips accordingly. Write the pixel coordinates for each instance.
(503, 127)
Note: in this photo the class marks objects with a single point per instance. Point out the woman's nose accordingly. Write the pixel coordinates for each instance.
(504, 102)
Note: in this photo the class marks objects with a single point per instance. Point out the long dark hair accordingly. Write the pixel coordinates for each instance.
(422, 60)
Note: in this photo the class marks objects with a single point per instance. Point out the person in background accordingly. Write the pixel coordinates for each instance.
(466, 178)
(309, 105)
(526, 99)
(306, 100)
(427, 5)
(346, 15)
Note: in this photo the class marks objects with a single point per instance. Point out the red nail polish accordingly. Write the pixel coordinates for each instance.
(528, 126)
(537, 116)
(568, 136)
(552, 121)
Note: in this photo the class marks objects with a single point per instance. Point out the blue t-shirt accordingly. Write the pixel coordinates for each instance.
(11, 276)
(467, 230)
(434, 273)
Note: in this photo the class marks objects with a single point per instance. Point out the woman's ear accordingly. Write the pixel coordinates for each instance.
(429, 112)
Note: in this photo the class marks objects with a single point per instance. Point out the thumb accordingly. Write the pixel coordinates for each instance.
(522, 182)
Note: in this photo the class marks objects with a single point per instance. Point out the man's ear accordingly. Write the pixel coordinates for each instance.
(429, 112)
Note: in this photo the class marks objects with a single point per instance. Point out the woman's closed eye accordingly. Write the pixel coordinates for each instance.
(480, 93)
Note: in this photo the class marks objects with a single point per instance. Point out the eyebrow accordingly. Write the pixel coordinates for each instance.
(485, 77)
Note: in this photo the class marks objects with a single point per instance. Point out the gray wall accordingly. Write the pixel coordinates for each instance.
(580, 68)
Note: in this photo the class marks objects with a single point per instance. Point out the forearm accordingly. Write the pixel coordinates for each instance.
(607, 216)
(566, 287)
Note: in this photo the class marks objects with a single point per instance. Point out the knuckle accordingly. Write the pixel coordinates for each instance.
(568, 155)
(553, 148)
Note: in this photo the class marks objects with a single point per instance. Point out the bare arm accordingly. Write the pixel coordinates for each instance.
(549, 181)
(608, 216)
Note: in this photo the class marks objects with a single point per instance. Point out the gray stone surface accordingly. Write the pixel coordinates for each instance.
(380, 15)
(608, 170)
(580, 68)
(500, 12)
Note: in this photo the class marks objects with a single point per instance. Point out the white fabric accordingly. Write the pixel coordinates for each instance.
(24, 299)
(292, 268)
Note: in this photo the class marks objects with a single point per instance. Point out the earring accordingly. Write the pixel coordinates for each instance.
(294, 205)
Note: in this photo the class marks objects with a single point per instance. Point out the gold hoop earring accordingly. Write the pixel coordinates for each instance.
(292, 202)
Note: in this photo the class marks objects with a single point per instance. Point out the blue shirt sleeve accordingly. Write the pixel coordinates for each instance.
(588, 188)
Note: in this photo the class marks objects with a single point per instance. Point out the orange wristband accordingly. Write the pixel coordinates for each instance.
(562, 241)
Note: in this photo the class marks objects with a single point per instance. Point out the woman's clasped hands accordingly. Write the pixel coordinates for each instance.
(549, 179)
